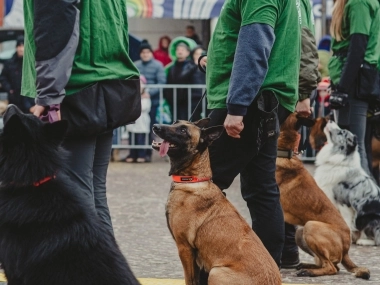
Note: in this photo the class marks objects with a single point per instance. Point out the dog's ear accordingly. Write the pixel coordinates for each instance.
(202, 123)
(210, 134)
(16, 128)
(303, 121)
(56, 130)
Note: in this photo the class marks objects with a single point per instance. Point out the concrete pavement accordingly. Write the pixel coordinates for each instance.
(137, 194)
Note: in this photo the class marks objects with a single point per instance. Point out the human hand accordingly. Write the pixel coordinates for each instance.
(234, 125)
(303, 108)
(37, 110)
(338, 100)
(203, 61)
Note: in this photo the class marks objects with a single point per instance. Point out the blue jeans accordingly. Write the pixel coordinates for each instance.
(230, 157)
(87, 167)
(139, 139)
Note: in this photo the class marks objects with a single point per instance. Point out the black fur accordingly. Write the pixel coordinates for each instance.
(49, 234)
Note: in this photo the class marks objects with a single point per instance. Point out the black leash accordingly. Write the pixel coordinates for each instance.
(202, 69)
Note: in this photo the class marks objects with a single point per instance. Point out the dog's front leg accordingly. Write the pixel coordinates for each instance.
(190, 268)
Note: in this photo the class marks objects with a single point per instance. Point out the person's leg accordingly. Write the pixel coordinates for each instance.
(132, 156)
(80, 163)
(354, 118)
(260, 191)
(100, 167)
(290, 254)
(152, 114)
(140, 140)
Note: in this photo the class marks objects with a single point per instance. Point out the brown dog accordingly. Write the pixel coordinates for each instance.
(208, 230)
(324, 234)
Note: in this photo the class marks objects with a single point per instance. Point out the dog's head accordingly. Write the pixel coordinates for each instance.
(344, 142)
(288, 139)
(28, 147)
(317, 136)
(183, 140)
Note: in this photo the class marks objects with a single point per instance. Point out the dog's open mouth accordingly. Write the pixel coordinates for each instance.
(163, 147)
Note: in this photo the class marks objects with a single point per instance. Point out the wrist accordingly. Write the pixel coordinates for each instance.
(236, 110)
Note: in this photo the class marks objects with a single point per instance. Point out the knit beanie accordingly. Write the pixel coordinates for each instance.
(19, 41)
(145, 45)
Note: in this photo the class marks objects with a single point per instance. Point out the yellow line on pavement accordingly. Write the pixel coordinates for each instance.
(152, 281)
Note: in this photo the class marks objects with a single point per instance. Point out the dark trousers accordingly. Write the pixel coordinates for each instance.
(139, 139)
(230, 157)
(152, 114)
(88, 164)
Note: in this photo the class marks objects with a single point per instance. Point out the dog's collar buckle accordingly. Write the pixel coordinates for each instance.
(189, 179)
(44, 180)
(285, 153)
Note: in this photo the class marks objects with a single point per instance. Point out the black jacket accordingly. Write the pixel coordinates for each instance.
(10, 80)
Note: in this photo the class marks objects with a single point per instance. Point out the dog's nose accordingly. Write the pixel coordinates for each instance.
(156, 128)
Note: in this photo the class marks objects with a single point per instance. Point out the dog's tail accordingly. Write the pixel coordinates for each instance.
(359, 272)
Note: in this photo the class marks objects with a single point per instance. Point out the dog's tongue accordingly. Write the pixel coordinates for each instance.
(164, 147)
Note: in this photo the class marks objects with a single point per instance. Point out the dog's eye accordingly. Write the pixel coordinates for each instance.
(341, 148)
(183, 130)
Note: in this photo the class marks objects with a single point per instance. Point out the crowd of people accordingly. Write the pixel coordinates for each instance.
(173, 62)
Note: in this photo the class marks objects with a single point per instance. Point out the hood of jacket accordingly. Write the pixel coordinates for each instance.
(173, 45)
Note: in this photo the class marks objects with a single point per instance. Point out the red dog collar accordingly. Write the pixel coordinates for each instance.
(42, 181)
(189, 179)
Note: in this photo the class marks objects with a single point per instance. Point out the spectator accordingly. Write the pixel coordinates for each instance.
(154, 73)
(141, 128)
(180, 71)
(355, 30)
(324, 53)
(252, 87)
(10, 78)
(80, 49)
(191, 34)
(162, 52)
(322, 107)
(198, 77)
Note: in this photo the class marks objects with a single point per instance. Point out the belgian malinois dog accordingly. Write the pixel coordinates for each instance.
(323, 233)
(209, 232)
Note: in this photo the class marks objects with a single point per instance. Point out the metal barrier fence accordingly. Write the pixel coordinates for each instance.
(125, 140)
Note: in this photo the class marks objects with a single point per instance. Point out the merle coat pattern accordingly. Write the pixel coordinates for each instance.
(49, 234)
(354, 192)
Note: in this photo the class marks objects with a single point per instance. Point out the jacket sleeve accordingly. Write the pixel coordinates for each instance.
(355, 58)
(309, 74)
(160, 79)
(56, 35)
(4, 78)
(254, 45)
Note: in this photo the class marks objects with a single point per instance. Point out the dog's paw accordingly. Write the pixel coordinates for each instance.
(304, 273)
(365, 242)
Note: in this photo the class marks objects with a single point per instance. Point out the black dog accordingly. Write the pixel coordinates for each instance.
(49, 233)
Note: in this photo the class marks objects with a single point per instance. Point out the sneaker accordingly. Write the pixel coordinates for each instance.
(289, 262)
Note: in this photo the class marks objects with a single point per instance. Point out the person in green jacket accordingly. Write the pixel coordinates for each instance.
(308, 81)
(79, 51)
(355, 30)
(252, 78)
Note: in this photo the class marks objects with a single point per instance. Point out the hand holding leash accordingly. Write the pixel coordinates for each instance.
(234, 125)
(303, 108)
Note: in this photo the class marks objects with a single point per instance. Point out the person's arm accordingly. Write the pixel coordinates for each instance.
(56, 35)
(160, 79)
(250, 66)
(355, 58)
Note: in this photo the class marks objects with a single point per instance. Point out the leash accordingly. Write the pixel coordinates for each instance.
(202, 69)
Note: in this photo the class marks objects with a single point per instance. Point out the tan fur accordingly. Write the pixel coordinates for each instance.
(210, 233)
(324, 233)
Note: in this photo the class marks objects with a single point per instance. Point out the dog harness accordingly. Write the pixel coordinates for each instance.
(189, 179)
(44, 180)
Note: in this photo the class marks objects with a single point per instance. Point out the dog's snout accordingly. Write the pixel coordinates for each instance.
(156, 128)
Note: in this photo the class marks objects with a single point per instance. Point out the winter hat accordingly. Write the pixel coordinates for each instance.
(182, 44)
(19, 41)
(145, 45)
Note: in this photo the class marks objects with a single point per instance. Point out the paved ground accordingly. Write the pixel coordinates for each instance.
(137, 194)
